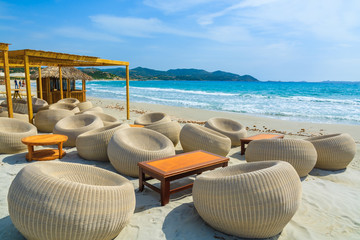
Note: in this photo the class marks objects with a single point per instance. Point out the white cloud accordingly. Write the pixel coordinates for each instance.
(129, 26)
(137, 27)
(227, 34)
(171, 6)
(209, 19)
(80, 33)
(326, 20)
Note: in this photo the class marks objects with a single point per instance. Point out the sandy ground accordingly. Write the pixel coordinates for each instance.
(330, 207)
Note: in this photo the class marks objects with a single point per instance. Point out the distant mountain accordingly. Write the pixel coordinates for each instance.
(140, 73)
(98, 74)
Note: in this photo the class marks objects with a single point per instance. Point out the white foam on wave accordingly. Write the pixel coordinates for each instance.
(177, 101)
(327, 108)
(172, 90)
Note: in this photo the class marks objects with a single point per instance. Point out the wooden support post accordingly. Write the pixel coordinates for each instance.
(127, 93)
(7, 83)
(28, 88)
(68, 88)
(61, 84)
(84, 90)
(48, 91)
(40, 84)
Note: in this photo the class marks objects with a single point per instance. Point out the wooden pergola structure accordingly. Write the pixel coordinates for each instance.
(34, 58)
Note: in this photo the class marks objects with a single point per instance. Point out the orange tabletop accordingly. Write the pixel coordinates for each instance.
(176, 167)
(41, 140)
(183, 162)
(136, 125)
(46, 139)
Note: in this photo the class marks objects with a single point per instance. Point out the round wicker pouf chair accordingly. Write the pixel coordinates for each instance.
(230, 128)
(11, 133)
(299, 153)
(251, 200)
(45, 120)
(168, 129)
(93, 144)
(129, 146)
(195, 137)
(151, 118)
(73, 126)
(19, 116)
(84, 105)
(19, 105)
(93, 109)
(106, 118)
(56, 200)
(38, 103)
(69, 100)
(335, 151)
(66, 106)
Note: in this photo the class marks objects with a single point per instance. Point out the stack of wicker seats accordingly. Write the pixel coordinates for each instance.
(106, 118)
(161, 122)
(66, 106)
(45, 120)
(92, 109)
(129, 146)
(38, 103)
(73, 126)
(69, 100)
(92, 145)
(84, 105)
(230, 128)
(195, 137)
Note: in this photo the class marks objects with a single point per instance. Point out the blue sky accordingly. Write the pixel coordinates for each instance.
(278, 40)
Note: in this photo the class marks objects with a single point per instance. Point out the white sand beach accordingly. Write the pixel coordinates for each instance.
(330, 206)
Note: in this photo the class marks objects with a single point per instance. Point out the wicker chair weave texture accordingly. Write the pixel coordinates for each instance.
(251, 200)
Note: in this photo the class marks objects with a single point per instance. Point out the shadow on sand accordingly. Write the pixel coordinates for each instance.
(8, 230)
(183, 222)
(14, 159)
(320, 172)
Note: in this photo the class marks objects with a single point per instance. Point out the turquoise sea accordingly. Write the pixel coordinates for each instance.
(301, 101)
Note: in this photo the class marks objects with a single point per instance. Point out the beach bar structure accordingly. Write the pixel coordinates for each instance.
(34, 58)
(50, 83)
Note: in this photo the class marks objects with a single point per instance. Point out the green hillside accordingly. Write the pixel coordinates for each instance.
(140, 73)
(99, 74)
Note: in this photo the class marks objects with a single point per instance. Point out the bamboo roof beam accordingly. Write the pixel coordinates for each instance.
(34, 58)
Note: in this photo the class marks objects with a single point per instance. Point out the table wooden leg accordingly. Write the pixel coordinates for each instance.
(242, 148)
(31, 150)
(60, 147)
(141, 179)
(165, 192)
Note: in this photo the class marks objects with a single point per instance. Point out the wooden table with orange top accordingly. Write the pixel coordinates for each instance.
(247, 140)
(176, 167)
(41, 140)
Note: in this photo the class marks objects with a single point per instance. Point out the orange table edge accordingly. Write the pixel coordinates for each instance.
(160, 170)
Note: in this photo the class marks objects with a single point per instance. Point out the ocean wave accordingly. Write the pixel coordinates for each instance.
(178, 101)
(172, 90)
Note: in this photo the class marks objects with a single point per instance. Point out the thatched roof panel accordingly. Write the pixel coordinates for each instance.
(67, 73)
